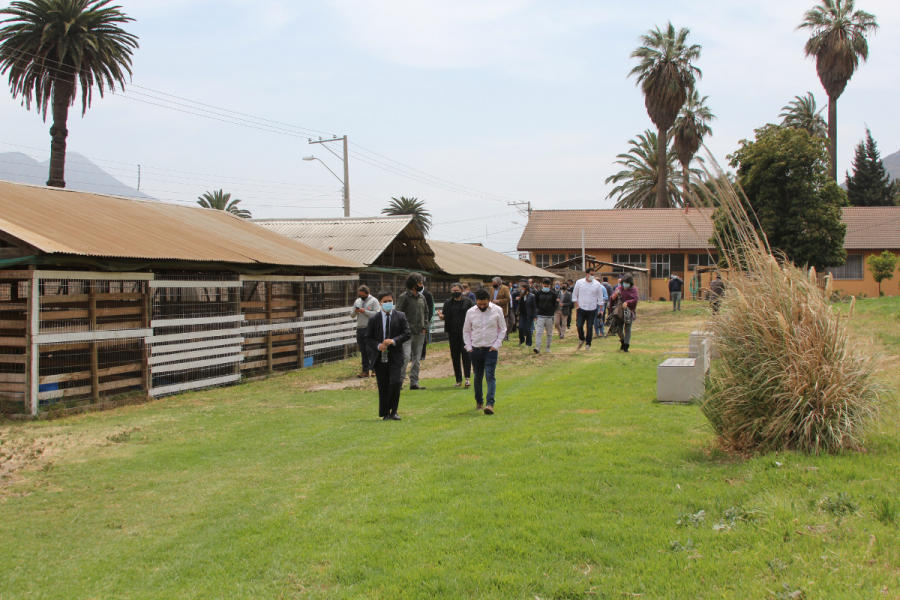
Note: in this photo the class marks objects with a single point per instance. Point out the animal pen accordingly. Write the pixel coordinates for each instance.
(204, 298)
(77, 337)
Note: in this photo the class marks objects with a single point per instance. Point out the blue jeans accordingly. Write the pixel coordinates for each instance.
(526, 328)
(598, 321)
(484, 364)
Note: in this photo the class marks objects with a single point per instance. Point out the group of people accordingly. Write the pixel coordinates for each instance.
(392, 331)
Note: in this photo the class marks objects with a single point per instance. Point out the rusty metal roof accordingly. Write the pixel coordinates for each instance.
(872, 227)
(361, 239)
(626, 229)
(470, 259)
(54, 221)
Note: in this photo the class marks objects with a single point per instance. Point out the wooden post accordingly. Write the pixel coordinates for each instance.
(32, 352)
(146, 313)
(298, 296)
(269, 365)
(346, 303)
(95, 346)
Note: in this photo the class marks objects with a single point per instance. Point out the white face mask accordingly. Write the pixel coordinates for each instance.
(626, 285)
(590, 278)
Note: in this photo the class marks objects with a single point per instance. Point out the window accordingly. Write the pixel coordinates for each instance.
(660, 266)
(702, 260)
(632, 260)
(542, 261)
(557, 258)
(852, 269)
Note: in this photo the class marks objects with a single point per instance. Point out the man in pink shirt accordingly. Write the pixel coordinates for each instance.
(483, 334)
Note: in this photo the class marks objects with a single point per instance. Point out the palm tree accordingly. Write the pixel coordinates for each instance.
(638, 181)
(410, 206)
(666, 77)
(51, 47)
(801, 113)
(220, 201)
(690, 128)
(838, 41)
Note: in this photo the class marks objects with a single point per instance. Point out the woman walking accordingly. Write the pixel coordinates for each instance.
(527, 315)
(625, 299)
(454, 316)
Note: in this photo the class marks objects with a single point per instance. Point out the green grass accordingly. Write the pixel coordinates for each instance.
(580, 487)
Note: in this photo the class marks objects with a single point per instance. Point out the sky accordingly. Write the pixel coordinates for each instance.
(489, 101)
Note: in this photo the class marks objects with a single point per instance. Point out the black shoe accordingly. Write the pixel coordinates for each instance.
(621, 345)
(394, 417)
(385, 418)
(536, 351)
(625, 347)
(417, 387)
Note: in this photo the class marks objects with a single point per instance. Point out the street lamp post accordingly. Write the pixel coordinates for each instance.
(346, 180)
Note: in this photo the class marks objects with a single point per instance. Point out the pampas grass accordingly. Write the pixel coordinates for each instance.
(788, 375)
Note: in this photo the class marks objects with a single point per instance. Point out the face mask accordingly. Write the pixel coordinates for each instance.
(496, 285)
(564, 289)
(419, 288)
(546, 288)
(590, 278)
(457, 294)
(483, 309)
(387, 307)
(556, 287)
(363, 298)
(626, 285)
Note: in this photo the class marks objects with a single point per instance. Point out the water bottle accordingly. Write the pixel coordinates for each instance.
(384, 355)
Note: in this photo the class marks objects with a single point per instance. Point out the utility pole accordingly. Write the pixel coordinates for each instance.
(528, 204)
(346, 180)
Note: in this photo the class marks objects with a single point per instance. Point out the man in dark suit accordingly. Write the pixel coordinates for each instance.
(387, 332)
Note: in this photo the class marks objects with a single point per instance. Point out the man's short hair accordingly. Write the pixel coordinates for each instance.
(497, 280)
(380, 295)
(363, 288)
(455, 285)
(546, 281)
(482, 294)
(590, 270)
(605, 278)
(412, 280)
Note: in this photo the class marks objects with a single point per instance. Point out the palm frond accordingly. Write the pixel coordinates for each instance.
(803, 113)
(410, 206)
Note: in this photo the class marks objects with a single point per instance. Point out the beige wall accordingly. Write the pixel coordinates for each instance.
(867, 285)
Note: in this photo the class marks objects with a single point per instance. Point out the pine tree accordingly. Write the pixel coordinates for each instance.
(870, 184)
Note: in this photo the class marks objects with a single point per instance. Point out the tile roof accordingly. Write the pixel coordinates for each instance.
(632, 229)
(472, 259)
(55, 221)
(361, 239)
(868, 228)
(872, 227)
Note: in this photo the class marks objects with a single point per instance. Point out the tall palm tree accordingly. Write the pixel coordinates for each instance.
(51, 47)
(218, 200)
(637, 182)
(801, 113)
(666, 76)
(410, 206)
(691, 126)
(838, 41)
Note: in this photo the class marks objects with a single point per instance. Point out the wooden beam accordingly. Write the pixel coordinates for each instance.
(130, 368)
(18, 359)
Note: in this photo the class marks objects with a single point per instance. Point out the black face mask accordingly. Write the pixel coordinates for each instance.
(419, 288)
(485, 308)
(457, 294)
(564, 289)
(364, 298)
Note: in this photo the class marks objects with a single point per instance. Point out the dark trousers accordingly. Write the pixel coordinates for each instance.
(361, 340)
(458, 354)
(390, 379)
(485, 364)
(526, 327)
(586, 317)
(569, 320)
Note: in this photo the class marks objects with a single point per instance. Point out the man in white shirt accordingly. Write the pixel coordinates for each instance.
(483, 334)
(365, 307)
(588, 295)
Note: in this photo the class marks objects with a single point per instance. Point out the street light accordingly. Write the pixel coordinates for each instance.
(346, 180)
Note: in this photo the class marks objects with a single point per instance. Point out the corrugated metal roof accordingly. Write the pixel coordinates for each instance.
(626, 229)
(468, 259)
(362, 239)
(872, 227)
(58, 221)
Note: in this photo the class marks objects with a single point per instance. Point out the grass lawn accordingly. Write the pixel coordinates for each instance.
(581, 486)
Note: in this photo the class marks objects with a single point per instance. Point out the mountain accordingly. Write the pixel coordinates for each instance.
(892, 164)
(81, 174)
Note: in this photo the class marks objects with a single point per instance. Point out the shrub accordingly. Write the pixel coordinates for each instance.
(788, 375)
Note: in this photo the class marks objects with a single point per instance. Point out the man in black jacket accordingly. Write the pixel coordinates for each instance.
(676, 284)
(546, 300)
(386, 333)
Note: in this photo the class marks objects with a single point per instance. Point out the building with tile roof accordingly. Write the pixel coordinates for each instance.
(674, 240)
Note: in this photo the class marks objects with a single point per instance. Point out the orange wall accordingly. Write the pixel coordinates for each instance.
(659, 288)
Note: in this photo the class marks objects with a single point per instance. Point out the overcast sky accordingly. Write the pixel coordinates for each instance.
(516, 99)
